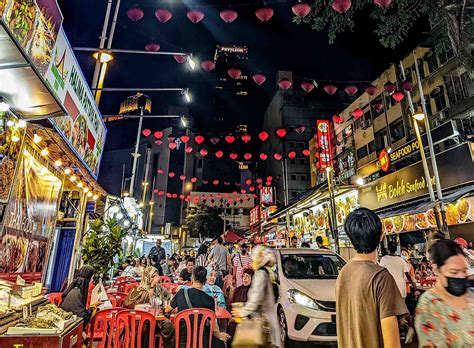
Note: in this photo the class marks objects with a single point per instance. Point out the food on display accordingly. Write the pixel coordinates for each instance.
(452, 214)
(463, 208)
(388, 225)
(421, 221)
(398, 223)
(409, 223)
(430, 215)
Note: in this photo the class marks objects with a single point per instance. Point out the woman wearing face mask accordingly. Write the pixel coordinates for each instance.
(444, 317)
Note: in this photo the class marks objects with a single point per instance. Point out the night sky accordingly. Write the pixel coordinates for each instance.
(276, 45)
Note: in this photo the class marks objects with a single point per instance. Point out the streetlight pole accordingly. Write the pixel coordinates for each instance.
(136, 155)
(332, 207)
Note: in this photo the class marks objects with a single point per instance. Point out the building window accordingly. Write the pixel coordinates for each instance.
(432, 62)
(421, 68)
(199, 163)
(293, 161)
(397, 130)
(303, 177)
(388, 101)
(301, 145)
(372, 147)
(292, 144)
(381, 139)
(302, 161)
(362, 152)
(291, 129)
(455, 89)
(444, 50)
(439, 98)
(293, 177)
(294, 194)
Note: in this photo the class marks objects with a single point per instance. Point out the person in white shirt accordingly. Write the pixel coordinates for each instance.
(131, 271)
(398, 268)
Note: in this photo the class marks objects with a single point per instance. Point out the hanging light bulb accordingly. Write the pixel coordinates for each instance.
(80, 184)
(67, 171)
(21, 124)
(36, 138)
(89, 194)
(85, 189)
(44, 152)
(15, 138)
(58, 163)
(73, 178)
(95, 197)
(10, 123)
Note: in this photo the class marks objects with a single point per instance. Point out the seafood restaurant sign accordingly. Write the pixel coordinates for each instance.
(409, 182)
(83, 128)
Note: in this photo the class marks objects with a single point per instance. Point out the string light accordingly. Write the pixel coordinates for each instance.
(85, 189)
(95, 197)
(73, 178)
(58, 163)
(89, 194)
(67, 171)
(21, 124)
(44, 152)
(15, 138)
(10, 123)
(80, 184)
(36, 138)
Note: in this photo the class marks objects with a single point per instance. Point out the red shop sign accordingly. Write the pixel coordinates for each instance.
(384, 160)
(324, 143)
(255, 215)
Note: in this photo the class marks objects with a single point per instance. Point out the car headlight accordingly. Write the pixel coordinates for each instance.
(295, 296)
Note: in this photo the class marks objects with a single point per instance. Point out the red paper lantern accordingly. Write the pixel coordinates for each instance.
(277, 156)
(216, 182)
(285, 84)
(248, 156)
(281, 132)
(351, 90)
(199, 139)
(330, 89)
(226, 183)
(203, 152)
(301, 9)
(234, 73)
(184, 138)
(195, 16)
(158, 134)
(194, 179)
(263, 156)
(181, 196)
(269, 178)
(341, 6)
(268, 183)
(152, 47)
(228, 16)
(307, 86)
(259, 78)
(243, 191)
(407, 85)
(155, 190)
(259, 181)
(398, 96)
(180, 58)
(188, 149)
(158, 142)
(214, 140)
(146, 132)
(161, 193)
(233, 156)
(171, 174)
(292, 154)
(171, 138)
(371, 90)
(160, 171)
(135, 14)
(260, 187)
(306, 152)
(338, 119)
(219, 154)
(172, 146)
(378, 106)
(263, 136)
(163, 15)
(264, 14)
(175, 195)
(168, 195)
(251, 189)
(208, 65)
(389, 87)
(230, 138)
(182, 177)
(357, 113)
(248, 181)
(382, 3)
(300, 129)
(246, 138)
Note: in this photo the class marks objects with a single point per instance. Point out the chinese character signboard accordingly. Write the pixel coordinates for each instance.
(254, 216)
(266, 195)
(384, 160)
(83, 128)
(324, 143)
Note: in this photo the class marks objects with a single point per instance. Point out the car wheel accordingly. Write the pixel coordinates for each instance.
(283, 327)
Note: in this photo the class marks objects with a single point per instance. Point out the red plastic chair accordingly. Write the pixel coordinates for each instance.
(121, 285)
(55, 298)
(165, 279)
(199, 317)
(129, 287)
(129, 329)
(170, 287)
(116, 299)
(102, 328)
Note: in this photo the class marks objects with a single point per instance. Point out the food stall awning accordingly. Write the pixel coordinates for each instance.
(232, 237)
(21, 86)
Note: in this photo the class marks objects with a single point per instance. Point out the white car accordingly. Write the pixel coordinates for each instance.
(306, 306)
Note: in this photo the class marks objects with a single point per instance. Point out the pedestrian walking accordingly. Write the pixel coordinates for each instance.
(368, 302)
(241, 261)
(156, 254)
(220, 258)
(444, 314)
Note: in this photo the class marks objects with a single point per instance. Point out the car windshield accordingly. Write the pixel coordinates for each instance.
(311, 266)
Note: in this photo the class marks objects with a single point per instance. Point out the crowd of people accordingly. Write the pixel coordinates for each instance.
(385, 296)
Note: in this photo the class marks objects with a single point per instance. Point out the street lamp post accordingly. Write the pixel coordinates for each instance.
(332, 207)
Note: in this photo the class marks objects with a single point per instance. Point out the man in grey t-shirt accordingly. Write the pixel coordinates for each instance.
(220, 256)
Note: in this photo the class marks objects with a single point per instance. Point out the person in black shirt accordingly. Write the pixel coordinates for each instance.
(186, 274)
(319, 241)
(195, 297)
(156, 254)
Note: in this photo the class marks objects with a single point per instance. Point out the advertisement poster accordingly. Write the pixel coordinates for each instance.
(9, 153)
(35, 25)
(84, 128)
(324, 143)
(30, 217)
(266, 195)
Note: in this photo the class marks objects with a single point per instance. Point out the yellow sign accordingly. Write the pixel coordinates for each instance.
(400, 188)
(403, 151)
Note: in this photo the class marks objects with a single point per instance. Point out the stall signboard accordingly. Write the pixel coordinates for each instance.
(384, 160)
(255, 215)
(266, 195)
(409, 182)
(83, 128)
(35, 26)
(30, 217)
(266, 213)
(324, 143)
(459, 212)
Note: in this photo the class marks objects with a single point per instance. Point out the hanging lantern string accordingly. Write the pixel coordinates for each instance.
(245, 4)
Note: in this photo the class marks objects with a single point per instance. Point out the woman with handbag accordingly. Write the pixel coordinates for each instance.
(260, 305)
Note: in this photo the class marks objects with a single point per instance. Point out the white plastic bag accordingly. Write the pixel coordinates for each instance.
(99, 294)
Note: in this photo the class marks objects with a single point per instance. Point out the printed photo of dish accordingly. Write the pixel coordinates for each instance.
(430, 215)
(79, 140)
(463, 208)
(398, 223)
(452, 214)
(388, 225)
(409, 223)
(421, 221)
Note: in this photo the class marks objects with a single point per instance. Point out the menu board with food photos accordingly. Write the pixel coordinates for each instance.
(460, 212)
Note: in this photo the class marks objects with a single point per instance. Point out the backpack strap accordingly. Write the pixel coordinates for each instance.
(186, 297)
